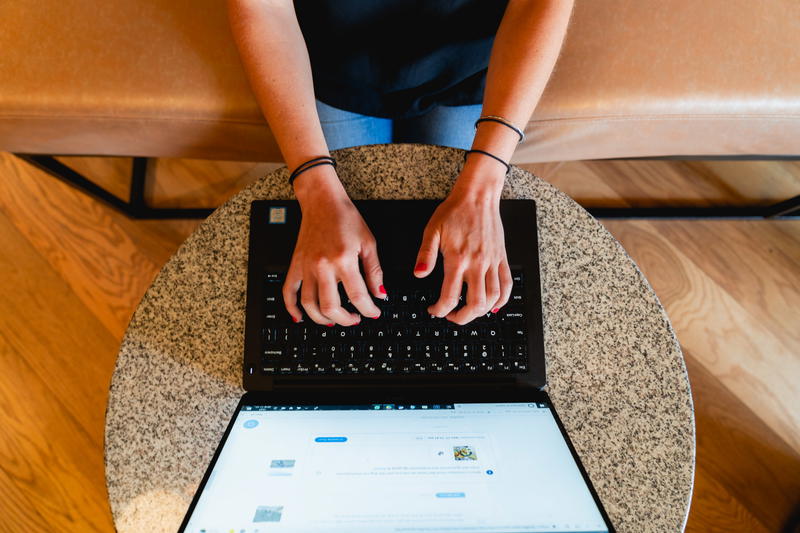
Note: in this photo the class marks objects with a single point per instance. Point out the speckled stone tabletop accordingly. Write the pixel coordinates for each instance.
(614, 367)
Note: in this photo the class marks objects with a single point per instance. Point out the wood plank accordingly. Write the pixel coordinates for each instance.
(616, 183)
(107, 259)
(762, 182)
(753, 261)
(46, 456)
(111, 173)
(60, 359)
(582, 182)
(201, 183)
(715, 510)
(739, 454)
(640, 182)
(731, 342)
(541, 170)
(17, 508)
(61, 340)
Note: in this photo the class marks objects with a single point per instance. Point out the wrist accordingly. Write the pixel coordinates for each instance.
(481, 177)
(318, 181)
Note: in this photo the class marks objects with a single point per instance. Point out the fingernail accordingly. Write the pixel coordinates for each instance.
(294, 319)
(374, 317)
(382, 290)
(330, 325)
(421, 267)
(496, 309)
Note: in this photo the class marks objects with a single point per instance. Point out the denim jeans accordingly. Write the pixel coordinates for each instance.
(444, 126)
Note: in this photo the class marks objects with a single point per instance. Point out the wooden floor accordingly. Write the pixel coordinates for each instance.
(73, 271)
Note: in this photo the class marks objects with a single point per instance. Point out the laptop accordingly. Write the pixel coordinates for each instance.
(405, 423)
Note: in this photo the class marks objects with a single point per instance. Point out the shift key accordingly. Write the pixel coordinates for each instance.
(274, 351)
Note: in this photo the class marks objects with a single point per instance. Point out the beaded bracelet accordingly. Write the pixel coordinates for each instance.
(504, 122)
(311, 163)
(508, 167)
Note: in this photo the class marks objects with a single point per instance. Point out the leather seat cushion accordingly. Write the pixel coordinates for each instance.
(635, 78)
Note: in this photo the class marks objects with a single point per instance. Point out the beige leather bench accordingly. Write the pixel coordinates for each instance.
(636, 78)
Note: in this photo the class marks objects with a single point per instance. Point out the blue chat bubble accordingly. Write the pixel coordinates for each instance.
(330, 439)
(450, 495)
(250, 424)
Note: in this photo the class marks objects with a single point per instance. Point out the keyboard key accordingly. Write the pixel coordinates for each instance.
(274, 351)
(518, 351)
(514, 333)
(429, 351)
(406, 351)
(519, 366)
(484, 351)
(415, 316)
(513, 315)
(437, 332)
(274, 278)
(295, 352)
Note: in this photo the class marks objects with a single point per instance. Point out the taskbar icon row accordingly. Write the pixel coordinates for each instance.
(363, 407)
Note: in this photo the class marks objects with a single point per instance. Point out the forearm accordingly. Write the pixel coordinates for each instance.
(275, 59)
(523, 56)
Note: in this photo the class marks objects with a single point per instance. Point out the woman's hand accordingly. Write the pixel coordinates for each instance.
(333, 236)
(468, 230)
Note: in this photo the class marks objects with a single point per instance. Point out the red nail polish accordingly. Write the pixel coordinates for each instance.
(374, 317)
(421, 267)
(383, 291)
(330, 325)
(496, 309)
(294, 319)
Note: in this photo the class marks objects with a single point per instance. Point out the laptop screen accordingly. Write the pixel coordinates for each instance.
(462, 467)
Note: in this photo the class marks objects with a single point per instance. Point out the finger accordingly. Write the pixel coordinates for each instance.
(506, 284)
(357, 292)
(428, 252)
(372, 271)
(329, 302)
(451, 290)
(492, 289)
(290, 286)
(309, 301)
(476, 298)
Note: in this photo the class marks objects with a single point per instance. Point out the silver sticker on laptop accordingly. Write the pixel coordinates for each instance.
(277, 215)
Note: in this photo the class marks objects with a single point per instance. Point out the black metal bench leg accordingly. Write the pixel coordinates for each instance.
(786, 209)
(135, 207)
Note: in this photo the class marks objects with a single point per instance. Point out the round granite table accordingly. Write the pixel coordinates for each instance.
(615, 370)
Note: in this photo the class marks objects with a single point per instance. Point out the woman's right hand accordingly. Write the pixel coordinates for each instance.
(333, 236)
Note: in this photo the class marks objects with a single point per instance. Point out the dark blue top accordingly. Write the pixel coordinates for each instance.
(399, 58)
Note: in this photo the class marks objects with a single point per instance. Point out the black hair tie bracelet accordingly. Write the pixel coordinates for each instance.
(311, 163)
(508, 167)
(504, 122)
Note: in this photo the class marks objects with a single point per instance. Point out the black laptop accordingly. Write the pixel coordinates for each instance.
(405, 423)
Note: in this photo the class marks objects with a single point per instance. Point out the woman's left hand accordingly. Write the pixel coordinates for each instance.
(467, 228)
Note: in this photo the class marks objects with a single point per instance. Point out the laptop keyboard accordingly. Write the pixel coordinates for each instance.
(405, 339)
